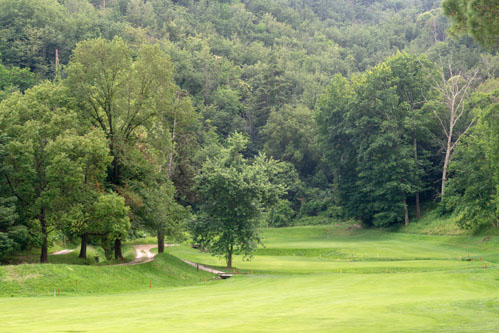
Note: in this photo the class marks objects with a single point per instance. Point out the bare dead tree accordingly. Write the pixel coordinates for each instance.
(454, 91)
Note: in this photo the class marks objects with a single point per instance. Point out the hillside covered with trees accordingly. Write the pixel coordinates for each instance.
(122, 118)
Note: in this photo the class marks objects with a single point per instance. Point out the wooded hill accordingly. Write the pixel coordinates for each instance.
(112, 110)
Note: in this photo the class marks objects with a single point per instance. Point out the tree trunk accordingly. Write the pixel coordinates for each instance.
(455, 91)
(161, 242)
(446, 165)
(418, 207)
(117, 249)
(229, 256)
(108, 253)
(170, 159)
(83, 248)
(44, 256)
(406, 213)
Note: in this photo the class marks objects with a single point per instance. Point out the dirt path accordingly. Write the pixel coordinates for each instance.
(221, 274)
(143, 254)
(203, 268)
(61, 252)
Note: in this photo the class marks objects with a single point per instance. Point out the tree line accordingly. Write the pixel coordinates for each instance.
(394, 131)
(114, 111)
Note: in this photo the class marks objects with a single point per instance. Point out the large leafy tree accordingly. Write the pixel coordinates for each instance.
(52, 160)
(76, 177)
(151, 193)
(386, 169)
(32, 122)
(414, 89)
(122, 95)
(367, 127)
(234, 191)
(117, 93)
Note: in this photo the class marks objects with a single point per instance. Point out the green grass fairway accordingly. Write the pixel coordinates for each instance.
(351, 281)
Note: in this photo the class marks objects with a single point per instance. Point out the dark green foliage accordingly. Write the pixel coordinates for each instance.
(31, 32)
(313, 207)
(289, 136)
(13, 236)
(477, 18)
(281, 214)
(367, 128)
(289, 177)
(9, 236)
(15, 79)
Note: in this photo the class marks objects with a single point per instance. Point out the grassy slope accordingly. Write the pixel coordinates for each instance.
(354, 280)
(36, 279)
(308, 250)
(431, 223)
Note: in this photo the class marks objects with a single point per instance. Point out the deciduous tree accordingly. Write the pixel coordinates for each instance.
(449, 108)
(121, 95)
(234, 191)
(367, 130)
(53, 160)
(474, 172)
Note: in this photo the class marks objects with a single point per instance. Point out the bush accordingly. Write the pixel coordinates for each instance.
(281, 214)
(315, 206)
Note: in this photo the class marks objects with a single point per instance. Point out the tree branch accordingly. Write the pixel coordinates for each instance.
(441, 123)
(12, 189)
(462, 134)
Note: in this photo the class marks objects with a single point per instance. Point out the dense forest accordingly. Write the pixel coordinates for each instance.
(125, 117)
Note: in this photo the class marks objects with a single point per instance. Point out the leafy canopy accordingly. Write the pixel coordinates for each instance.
(477, 18)
(234, 192)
